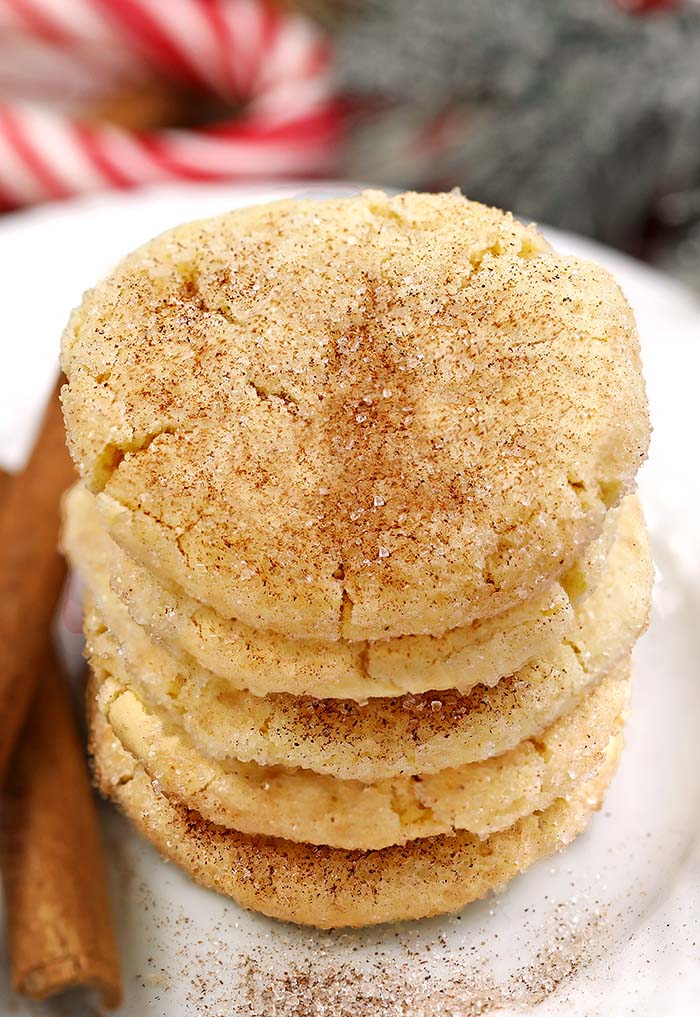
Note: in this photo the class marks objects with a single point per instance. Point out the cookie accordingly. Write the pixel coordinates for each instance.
(387, 736)
(265, 662)
(329, 887)
(360, 418)
(300, 805)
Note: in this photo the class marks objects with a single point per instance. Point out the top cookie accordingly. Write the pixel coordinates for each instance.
(356, 418)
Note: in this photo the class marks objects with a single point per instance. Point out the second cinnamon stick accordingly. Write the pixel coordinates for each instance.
(58, 916)
(31, 572)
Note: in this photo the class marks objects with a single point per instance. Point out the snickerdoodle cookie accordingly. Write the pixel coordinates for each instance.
(329, 887)
(265, 662)
(304, 806)
(359, 418)
(386, 736)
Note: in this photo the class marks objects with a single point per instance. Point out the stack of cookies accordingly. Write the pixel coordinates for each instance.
(363, 566)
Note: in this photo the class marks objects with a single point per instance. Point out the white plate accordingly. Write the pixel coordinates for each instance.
(611, 926)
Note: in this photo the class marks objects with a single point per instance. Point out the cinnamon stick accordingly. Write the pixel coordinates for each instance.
(31, 572)
(5, 481)
(57, 908)
(56, 902)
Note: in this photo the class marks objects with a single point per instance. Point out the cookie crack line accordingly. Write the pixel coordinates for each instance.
(149, 515)
(101, 378)
(182, 532)
(526, 252)
(113, 454)
(583, 663)
(110, 701)
(191, 278)
(265, 394)
(179, 532)
(401, 808)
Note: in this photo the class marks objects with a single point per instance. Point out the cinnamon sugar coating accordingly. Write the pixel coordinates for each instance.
(313, 808)
(358, 418)
(265, 662)
(363, 561)
(388, 736)
(329, 887)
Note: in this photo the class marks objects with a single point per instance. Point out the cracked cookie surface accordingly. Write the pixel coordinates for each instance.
(301, 805)
(265, 662)
(359, 418)
(413, 734)
(330, 887)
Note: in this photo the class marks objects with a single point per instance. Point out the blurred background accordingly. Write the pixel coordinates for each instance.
(583, 114)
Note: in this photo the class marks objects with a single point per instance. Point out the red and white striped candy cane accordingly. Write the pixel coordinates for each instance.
(57, 54)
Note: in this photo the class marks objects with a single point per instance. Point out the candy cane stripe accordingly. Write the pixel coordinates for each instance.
(248, 51)
(11, 127)
(51, 135)
(297, 99)
(147, 34)
(131, 153)
(38, 21)
(224, 40)
(19, 185)
(319, 123)
(88, 138)
(190, 32)
(209, 157)
(269, 35)
(66, 20)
